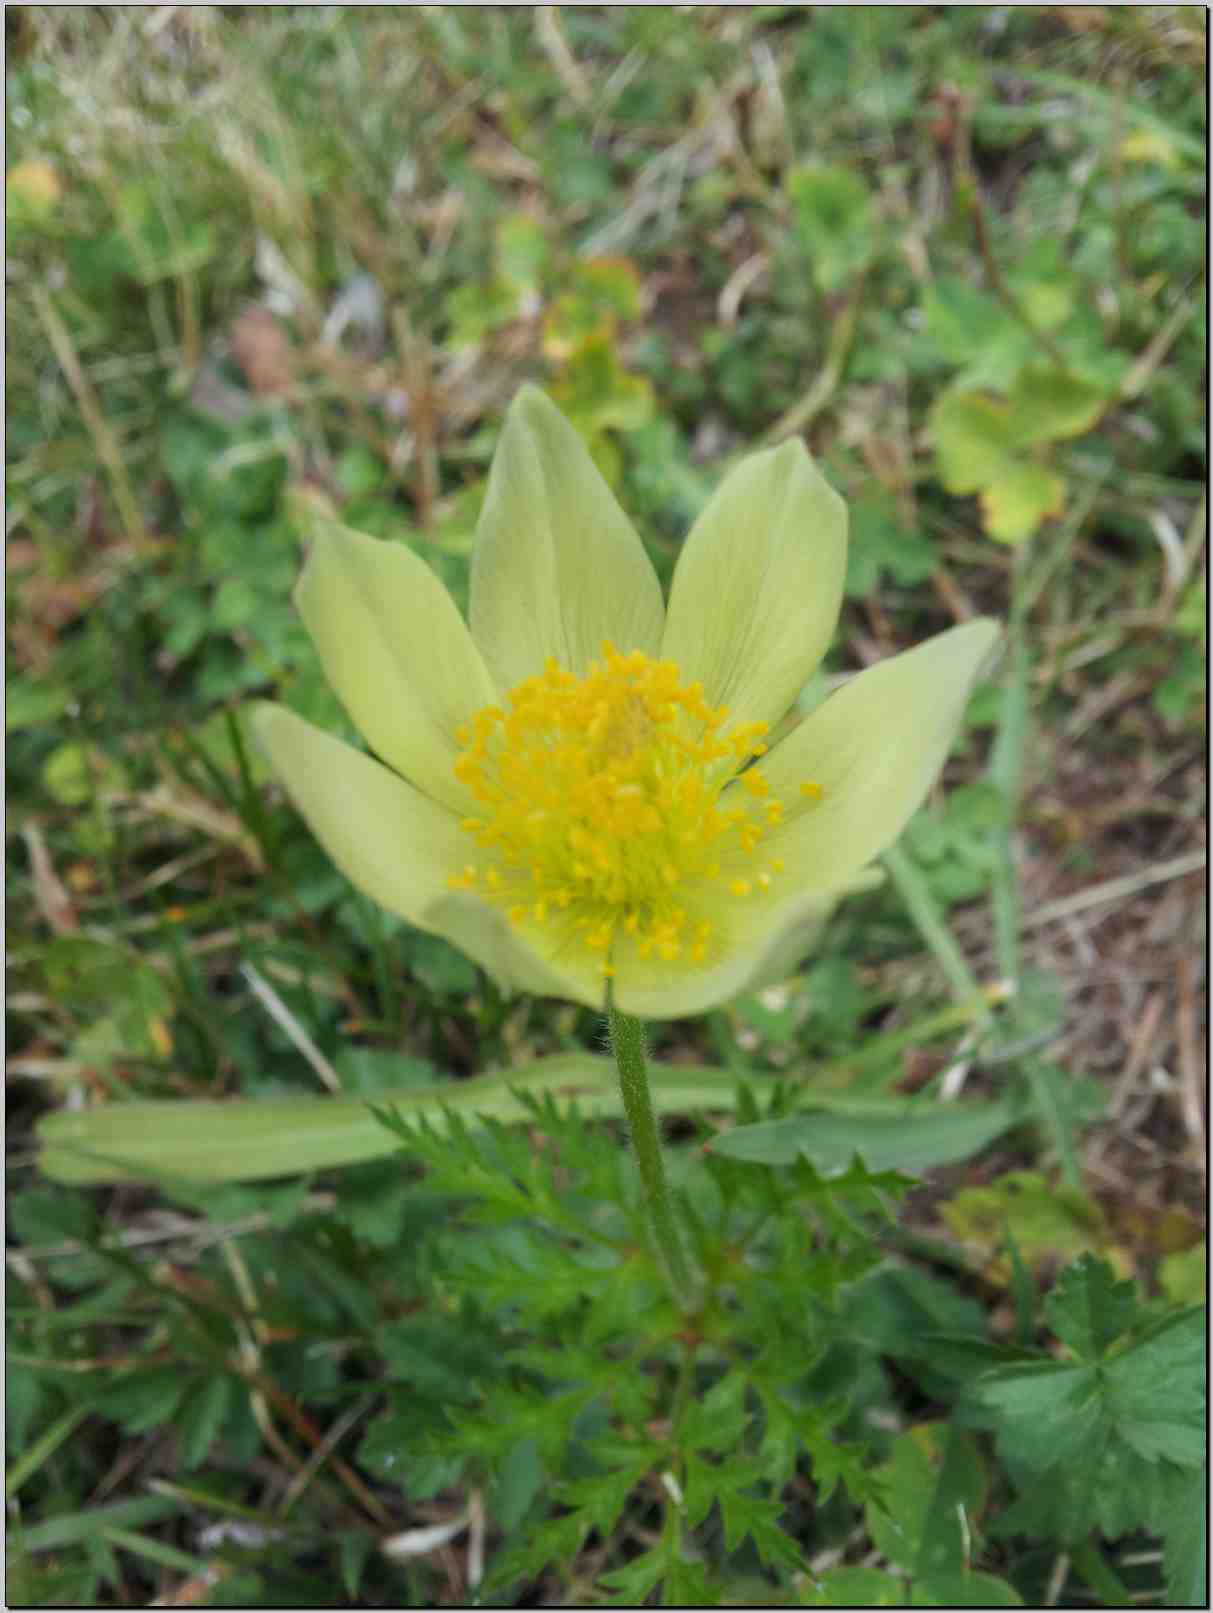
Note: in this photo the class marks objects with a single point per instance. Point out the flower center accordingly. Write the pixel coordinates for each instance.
(601, 808)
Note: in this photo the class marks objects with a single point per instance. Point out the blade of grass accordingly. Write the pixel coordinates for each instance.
(42, 1449)
(156, 1551)
(1006, 773)
(1042, 1081)
(103, 438)
(927, 914)
(73, 1528)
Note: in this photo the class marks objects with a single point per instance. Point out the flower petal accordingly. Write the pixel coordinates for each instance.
(557, 567)
(397, 652)
(874, 748)
(395, 844)
(758, 585)
(487, 936)
(765, 939)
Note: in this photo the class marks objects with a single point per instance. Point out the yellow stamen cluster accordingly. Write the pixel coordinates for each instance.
(601, 807)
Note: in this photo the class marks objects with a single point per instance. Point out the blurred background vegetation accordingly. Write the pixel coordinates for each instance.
(260, 257)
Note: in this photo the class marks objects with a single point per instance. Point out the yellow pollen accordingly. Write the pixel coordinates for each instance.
(608, 804)
(811, 791)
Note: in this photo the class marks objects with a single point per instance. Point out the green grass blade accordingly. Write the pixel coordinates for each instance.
(42, 1449)
(73, 1528)
(155, 1551)
(932, 924)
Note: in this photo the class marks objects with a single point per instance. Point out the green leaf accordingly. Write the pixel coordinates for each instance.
(1015, 503)
(1183, 1276)
(600, 1498)
(957, 1500)
(29, 704)
(556, 1541)
(143, 1399)
(1182, 1518)
(73, 774)
(1058, 1097)
(74, 1528)
(517, 1483)
(745, 1514)
(718, 1420)
(833, 222)
(960, 1589)
(1156, 1390)
(932, 1473)
(855, 1587)
(880, 545)
(373, 1072)
(41, 1215)
(960, 323)
(201, 1418)
(601, 292)
(597, 393)
(475, 310)
(1095, 1445)
(635, 1580)
(355, 1549)
(1045, 1219)
(1088, 1308)
(1047, 404)
(974, 440)
(248, 1139)
(910, 1137)
(523, 252)
(979, 444)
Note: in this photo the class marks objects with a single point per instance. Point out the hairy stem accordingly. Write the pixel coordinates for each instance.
(627, 1044)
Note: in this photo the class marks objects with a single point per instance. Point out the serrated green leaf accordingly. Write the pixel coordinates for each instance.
(600, 1498)
(144, 1399)
(635, 1580)
(757, 1517)
(717, 1421)
(201, 1418)
(1156, 1391)
(1182, 1518)
(1088, 1308)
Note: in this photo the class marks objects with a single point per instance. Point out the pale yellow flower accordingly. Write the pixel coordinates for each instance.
(579, 787)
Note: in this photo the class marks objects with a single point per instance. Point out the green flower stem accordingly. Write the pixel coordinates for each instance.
(627, 1043)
